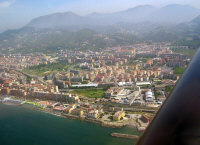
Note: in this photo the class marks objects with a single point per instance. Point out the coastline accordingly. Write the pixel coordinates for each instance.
(70, 116)
(56, 129)
(75, 117)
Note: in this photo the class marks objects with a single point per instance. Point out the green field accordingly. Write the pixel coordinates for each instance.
(179, 70)
(90, 93)
(42, 69)
(186, 51)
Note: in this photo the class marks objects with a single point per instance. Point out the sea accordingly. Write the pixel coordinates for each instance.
(24, 126)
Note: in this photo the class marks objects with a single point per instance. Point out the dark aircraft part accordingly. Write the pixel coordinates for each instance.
(178, 120)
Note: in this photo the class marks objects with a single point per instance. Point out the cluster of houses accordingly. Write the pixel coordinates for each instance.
(20, 61)
(84, 110)
(13, 83)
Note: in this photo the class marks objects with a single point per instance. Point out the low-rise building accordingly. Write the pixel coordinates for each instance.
(59, 108)
(77, 112)
(93, 114)
(118, 115)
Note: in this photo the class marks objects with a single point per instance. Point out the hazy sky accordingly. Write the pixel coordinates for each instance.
(16, 13)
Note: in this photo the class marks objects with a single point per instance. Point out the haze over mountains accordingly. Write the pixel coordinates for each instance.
(170, 14)
(95, 31)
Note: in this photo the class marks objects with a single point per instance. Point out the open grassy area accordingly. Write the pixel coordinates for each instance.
(179, 70)
(42, 69)
(186, 51)
(91, 93)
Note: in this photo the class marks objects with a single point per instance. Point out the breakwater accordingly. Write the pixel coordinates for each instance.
(126, 136)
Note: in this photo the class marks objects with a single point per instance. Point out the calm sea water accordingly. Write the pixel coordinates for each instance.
(24, 126)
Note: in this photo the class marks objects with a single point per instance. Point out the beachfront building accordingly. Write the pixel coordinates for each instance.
(93, 114)
(118, 115)
(77, 112)
(59, 108)
(69, 109)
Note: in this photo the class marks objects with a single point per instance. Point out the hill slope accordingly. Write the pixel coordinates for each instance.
(172, 14)
(97, 31)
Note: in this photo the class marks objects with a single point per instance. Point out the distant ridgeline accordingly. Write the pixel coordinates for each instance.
(98, 31)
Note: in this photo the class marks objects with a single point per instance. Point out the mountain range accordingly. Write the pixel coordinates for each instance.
(96, 31)
(170, 14)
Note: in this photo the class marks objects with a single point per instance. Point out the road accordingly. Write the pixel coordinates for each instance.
(40, 79)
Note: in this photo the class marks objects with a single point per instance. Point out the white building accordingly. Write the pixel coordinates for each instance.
(86, 85)
(149, 96)
(93, 114)
(143, 83)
